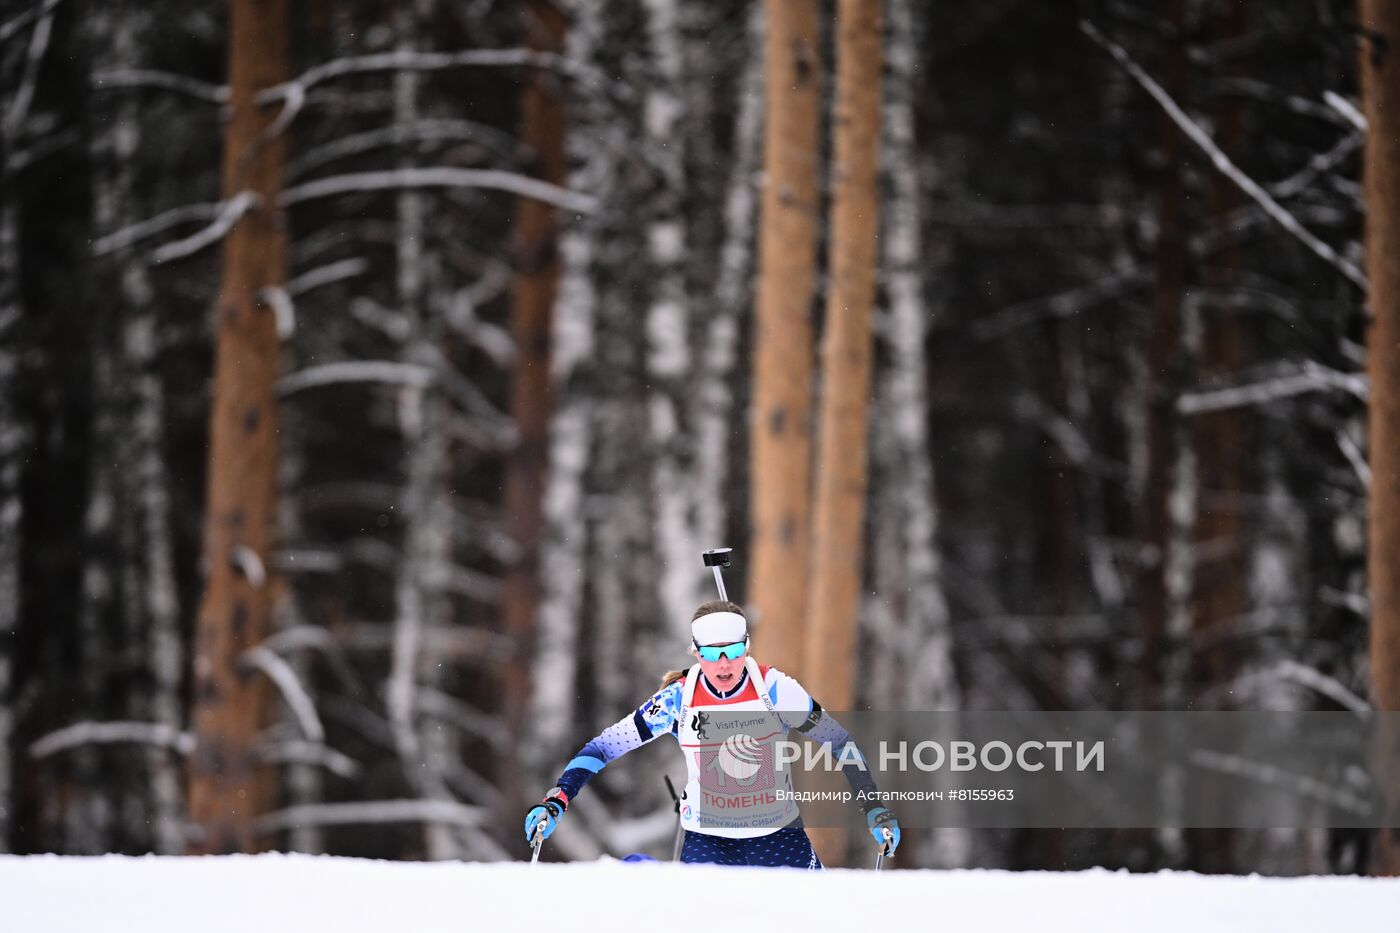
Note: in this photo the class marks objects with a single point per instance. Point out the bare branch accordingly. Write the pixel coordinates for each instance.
(1274, 776)
(10, 29)
(126, 236)
(19, 107)
(1063, 304)
(1318, 164)
(399, 179)
(109, 733)
(1311, 378)
(1320, 682)
(160, 80)
(1258, 90)
(264, 659)
(302, 560)
(19, 160)
(409, 60)
(295, 752)
(471, 721)
(392, 324)
(496, 342)
(326, 275)
(473, 584)
(445, 812)
(1354, 456)
(397, 134)
(405, 374)
(1222, 162)
(229, 213)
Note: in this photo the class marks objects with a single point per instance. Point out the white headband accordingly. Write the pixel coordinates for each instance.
(719, 628)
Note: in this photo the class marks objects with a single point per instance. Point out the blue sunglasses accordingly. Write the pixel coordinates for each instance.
(715, 652)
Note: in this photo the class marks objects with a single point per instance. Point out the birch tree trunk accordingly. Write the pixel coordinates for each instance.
(536, 288)
(241, 500)
(839, 507)
(564, 554)
(909, 664)
(1380, 91)
(421, 604)
(781, 432)
(144, 562)
(715, 412)
(668, 357)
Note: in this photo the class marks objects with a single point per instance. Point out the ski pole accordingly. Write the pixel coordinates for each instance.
(884, 852)
(680, 833)
(537, 843)
(717, 559)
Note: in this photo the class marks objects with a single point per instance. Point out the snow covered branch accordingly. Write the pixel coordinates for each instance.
(1311, 678)
(160, 80)
(283, 311)
(108, 733)
(1311, 378)
(229, 213)
(296, 752)
(1347, 109)
(444, 177)
(1222, 162)
(397, 134)
(126, 236)
(373, 811)
(285, 679)
(411, 60)
(391, 373)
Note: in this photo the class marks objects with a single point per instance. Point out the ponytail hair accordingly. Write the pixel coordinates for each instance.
(714, 605)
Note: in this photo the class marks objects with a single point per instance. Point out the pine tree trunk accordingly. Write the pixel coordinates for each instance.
(838, 508)
(781, 432)
(1219, 575)
(839, 505)
(536, 288)
(241, 500)
(1380, 86)
(12, 441)
(1163, 350)
(1220, 436)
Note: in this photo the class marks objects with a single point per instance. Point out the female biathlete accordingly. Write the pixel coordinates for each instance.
(726, 712)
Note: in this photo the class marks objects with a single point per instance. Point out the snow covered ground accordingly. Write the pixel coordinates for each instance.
(50, 894)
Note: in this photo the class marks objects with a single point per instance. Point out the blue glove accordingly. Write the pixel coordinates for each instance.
(879, 820)
(547, 812)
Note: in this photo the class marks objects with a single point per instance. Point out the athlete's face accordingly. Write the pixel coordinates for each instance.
(723, 673)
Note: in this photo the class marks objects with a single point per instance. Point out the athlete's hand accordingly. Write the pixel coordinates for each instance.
(547, 812)
(879, 820)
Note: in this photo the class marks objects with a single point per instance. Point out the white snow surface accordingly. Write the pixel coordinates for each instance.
(301, 893)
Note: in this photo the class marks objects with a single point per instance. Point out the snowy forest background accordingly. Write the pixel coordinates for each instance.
(505, 320)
